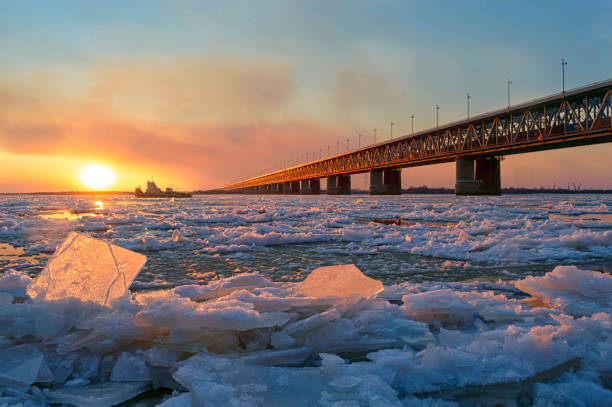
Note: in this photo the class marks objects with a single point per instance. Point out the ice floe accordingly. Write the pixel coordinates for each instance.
(336, 338)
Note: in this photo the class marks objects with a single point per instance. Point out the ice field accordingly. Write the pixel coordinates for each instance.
(243, 301)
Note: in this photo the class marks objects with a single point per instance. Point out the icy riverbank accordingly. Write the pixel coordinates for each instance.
(246, 340)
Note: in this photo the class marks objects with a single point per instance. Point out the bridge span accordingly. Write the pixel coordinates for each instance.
(575, 117)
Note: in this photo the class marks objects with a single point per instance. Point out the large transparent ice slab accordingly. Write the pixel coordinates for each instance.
(344, 280)
(88, 269)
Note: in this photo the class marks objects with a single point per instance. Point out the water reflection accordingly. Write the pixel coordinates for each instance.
(602, 217)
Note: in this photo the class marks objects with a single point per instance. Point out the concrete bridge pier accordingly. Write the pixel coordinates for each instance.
(266, 189)
(277, 189)
(287, 188)
(293, 188)
(478, 177)
(310, 187)
(386, 182)
(339, 185)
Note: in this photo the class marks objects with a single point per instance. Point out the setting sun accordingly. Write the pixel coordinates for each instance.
(97, 176)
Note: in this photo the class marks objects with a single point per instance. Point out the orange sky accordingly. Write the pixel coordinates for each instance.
(197, 99)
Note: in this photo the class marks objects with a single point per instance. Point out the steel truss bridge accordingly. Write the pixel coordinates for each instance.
(575, 117)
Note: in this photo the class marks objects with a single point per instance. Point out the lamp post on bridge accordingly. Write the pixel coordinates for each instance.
(359, 144)
(347, 145)
(337, 147)
(563, 63)
(468, 106)
(328, 150)
(437, 114)
(391, 132)
(412, 125)
(509, 83)
(374, 136)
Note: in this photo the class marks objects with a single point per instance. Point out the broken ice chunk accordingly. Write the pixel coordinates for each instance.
(570, 289)
(280, 340)
(130, 368)
(97, 395)
(88, 269)
(284, 357)
(440, 308)
(20, 366)
(312, 322)
(339, 281)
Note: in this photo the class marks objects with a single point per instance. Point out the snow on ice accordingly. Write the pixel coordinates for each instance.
(333, 339)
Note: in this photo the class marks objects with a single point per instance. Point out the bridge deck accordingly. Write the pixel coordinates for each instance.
(581, 116)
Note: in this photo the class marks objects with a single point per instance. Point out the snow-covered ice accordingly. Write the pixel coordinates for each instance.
(464, 302)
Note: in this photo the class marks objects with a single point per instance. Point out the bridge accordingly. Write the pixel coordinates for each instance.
(575, 117)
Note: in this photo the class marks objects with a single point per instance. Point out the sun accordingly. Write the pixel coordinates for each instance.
(97, 176)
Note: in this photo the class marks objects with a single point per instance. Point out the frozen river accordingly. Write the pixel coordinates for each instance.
(486, 299)
(394, 239)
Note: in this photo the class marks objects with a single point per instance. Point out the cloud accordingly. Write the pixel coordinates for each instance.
(194, 90)
(196, 118)
(364, 90)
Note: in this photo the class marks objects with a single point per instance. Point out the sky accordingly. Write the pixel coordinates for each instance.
(197, 95)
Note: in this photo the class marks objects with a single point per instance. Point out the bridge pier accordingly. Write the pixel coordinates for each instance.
(293, 188)
(478, 177)
(339, 185)
(277, 189)
(386, 182)
(310, 187)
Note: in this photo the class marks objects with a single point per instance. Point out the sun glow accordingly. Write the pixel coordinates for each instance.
(97, 176)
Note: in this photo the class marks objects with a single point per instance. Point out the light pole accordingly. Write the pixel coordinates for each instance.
(374, 136)
(347, 145)
(412, 125)
(328, 150)
(391, 132)
(509, 83)
(468, 106)
(437, 111)
(359, 145)
(563, 63)
(337, 147)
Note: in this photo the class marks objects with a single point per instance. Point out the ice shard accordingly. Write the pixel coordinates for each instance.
(88, 269)
(20, 366)
(97, 395)
(339, 281)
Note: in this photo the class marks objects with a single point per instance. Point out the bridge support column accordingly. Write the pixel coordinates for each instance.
(277, 189)
(287, 188)
(386, 182)
(294, 187)
(339, 185)
(311, 187)
(266, 189)
(479, 177)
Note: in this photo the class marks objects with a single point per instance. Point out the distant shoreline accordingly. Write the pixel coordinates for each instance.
(447, 191)
(412, 190)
